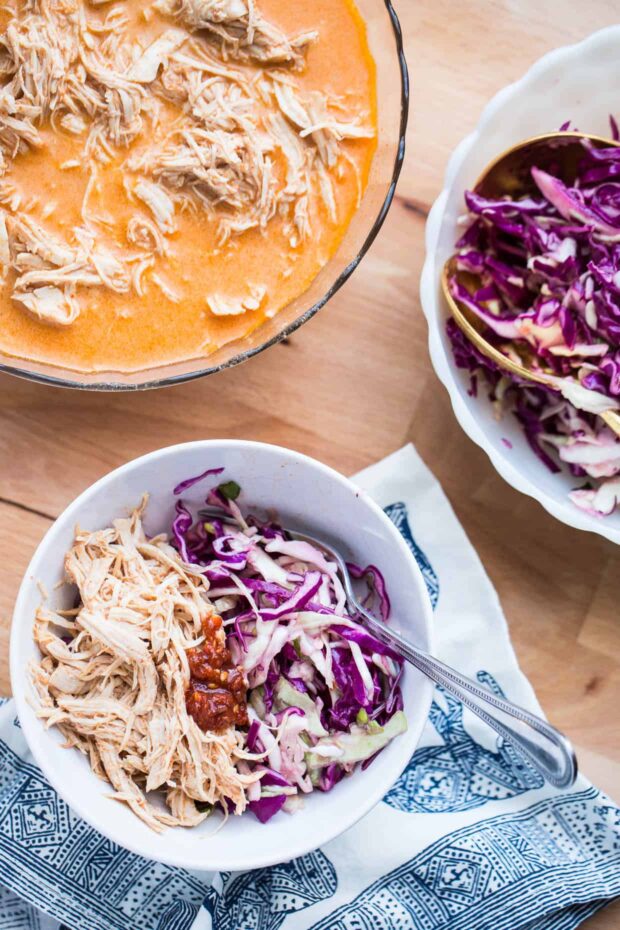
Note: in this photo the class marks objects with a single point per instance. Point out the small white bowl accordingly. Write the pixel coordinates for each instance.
(305, 493)
(580, 83)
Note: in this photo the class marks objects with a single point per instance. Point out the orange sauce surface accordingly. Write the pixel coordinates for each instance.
(126, 332)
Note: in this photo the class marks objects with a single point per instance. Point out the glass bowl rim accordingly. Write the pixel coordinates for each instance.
(345, 274)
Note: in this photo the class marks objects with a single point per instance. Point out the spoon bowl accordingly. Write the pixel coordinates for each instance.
(557, 153)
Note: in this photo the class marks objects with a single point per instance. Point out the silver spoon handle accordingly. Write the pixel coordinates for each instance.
(549, 751)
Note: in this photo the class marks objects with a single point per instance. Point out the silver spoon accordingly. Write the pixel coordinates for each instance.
(549, 751)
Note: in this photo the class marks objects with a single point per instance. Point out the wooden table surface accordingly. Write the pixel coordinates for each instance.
(355, 384)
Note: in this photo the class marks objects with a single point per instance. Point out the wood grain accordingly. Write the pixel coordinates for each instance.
(356, 383)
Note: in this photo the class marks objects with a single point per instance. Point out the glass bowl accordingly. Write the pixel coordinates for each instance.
(386, 45)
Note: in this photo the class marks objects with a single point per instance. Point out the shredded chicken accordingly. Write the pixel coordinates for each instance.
(114, 672)
(242, 31)
(220, 169)
(49, 270)
(145, 234)
(313, 119)
(233, 306)
(226, 157)
(244, 147)
(146, 67)
(158, 202)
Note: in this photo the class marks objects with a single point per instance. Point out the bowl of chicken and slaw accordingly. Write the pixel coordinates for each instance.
(195, 685)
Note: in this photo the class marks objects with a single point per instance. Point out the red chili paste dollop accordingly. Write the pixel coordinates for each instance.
(217, 693)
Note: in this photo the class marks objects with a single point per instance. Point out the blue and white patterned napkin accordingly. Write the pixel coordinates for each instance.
(469, 838)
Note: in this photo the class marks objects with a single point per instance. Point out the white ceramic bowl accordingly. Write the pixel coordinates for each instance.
(580, 83)
(304, 492)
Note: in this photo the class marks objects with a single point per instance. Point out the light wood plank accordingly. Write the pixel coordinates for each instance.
(461, 55)
(20, 533)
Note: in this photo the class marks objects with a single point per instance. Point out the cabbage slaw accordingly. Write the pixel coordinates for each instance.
(323, 694)
(550, 270)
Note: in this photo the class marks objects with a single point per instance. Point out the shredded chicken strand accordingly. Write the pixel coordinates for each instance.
(113, 677)
(243, 33)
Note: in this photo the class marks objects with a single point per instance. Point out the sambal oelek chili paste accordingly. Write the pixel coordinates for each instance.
(217, 693)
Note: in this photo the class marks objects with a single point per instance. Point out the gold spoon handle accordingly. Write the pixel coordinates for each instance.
(610, 417)
(488, 350)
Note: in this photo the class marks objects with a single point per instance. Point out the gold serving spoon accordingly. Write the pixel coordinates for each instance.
(510, 174)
